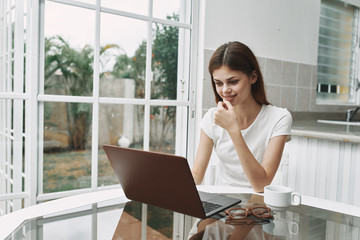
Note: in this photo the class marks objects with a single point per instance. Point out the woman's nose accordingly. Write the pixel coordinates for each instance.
(226, 88)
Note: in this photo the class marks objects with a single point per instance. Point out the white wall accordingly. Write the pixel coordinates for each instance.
(280, 29)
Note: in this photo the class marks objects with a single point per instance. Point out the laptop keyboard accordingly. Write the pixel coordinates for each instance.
(209, 206)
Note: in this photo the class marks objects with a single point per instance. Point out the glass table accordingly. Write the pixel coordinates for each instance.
(119, 218)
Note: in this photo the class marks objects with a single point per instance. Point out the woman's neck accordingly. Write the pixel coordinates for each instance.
(247, 113)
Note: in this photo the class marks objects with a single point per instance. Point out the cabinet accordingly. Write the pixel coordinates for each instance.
(324, 168)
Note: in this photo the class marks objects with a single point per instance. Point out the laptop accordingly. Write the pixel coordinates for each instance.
(163, 180)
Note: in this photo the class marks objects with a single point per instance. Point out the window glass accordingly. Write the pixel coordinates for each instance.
(166, 8)
(162, 128)
(165, 61)
(12, 20)
(69, 50)
(3, 113)
(134, 6)
(67, 146)
(337, 51)
(122, 57)
(121, 125)
(7, 42)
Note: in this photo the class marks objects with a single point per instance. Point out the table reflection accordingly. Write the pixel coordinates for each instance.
(297, 222)
(105, 220)
(123, 219)
(159, 222)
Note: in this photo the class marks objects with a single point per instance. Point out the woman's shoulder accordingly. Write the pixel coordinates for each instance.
(210, 113)
(212, 109)
(207, 123)
(274, 110)
(276, 114)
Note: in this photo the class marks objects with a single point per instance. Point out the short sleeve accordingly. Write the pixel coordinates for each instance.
(207, 123)
(283, 126)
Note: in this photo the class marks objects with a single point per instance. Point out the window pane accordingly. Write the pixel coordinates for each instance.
(332, 97)
(69, 47)
(134, 6)
(165, 8)
(122, 125)
(165, 62)
(123, 56)
(7, 52)
(336, 53)
(3, 128)
(118, 87)
(67, 146)
(12, 142)
(162, 128)
(12, 20)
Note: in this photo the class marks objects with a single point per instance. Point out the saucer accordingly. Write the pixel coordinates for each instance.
(277, 208)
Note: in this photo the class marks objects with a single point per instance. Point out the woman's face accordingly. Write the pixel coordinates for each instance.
(233, 86)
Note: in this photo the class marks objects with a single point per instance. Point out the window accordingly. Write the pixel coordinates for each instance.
(13, 103)
(338, 53)
(110, 72)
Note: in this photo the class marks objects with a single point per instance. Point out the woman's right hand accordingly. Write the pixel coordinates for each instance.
(225, 115)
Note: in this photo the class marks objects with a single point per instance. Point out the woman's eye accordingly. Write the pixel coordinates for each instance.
(218, 83)
(234, 82)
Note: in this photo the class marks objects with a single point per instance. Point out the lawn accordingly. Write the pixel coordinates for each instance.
(72, 170)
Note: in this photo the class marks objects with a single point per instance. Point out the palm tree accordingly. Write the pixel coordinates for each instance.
(76, 79)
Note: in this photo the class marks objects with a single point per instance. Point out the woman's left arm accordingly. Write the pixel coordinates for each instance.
(272, 157)
(259, 175)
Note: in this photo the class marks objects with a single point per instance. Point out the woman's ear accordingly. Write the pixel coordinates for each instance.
(253, 77)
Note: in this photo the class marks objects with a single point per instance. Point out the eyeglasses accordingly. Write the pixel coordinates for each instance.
(257, 215)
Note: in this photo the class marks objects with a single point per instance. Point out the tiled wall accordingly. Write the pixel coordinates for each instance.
(288, 84)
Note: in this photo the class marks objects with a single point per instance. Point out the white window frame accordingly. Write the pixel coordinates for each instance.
(34, 98)
(14, 99)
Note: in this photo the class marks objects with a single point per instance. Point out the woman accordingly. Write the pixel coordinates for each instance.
(246, 132)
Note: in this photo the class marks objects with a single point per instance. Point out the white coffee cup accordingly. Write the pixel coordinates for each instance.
(279, 198)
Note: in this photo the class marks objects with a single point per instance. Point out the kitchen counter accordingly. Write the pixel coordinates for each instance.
(310, 128)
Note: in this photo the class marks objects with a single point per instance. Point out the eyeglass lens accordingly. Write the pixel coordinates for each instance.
(242, 213)
(238, 213)
(261, 212)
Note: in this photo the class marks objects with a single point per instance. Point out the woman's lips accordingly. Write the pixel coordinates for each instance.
(228, 98)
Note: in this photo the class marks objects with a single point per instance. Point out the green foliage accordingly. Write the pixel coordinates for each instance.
(76, 67)
(133, 68)
(165, 60)
(164, 63)
(165, 56)
(71, 71)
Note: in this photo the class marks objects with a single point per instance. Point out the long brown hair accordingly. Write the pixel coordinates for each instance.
(237, 56)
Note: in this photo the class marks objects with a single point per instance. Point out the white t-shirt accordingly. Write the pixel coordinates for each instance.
(270, 122)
